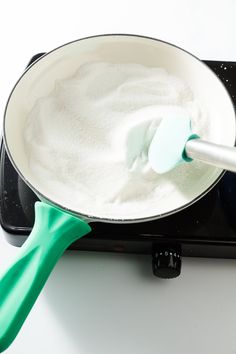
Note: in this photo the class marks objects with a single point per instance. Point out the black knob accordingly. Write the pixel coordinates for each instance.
(166, 261)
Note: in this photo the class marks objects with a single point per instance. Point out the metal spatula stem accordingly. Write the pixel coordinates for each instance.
(212, 154)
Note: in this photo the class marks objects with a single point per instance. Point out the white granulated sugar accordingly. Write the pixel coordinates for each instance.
(87, 141)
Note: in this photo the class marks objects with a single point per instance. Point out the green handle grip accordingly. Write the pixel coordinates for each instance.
(53, 231)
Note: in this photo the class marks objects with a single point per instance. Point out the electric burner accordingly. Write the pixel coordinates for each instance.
(205, 229)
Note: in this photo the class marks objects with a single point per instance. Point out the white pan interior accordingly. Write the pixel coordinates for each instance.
(40, 78)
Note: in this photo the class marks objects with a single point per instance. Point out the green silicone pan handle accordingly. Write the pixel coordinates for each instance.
(53, 231)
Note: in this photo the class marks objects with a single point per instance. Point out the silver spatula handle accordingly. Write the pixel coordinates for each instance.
(212, 154)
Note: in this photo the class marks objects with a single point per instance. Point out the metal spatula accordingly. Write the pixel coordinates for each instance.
(174, 143)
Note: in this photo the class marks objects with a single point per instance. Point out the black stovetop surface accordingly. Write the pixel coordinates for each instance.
(207, 228)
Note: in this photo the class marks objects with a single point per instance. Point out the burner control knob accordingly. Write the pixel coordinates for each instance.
(166, 261)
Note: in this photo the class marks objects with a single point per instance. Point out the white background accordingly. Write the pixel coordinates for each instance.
(110, 304)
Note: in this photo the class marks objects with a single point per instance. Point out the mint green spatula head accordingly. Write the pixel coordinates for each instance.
(167, 148)
(53, 231)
